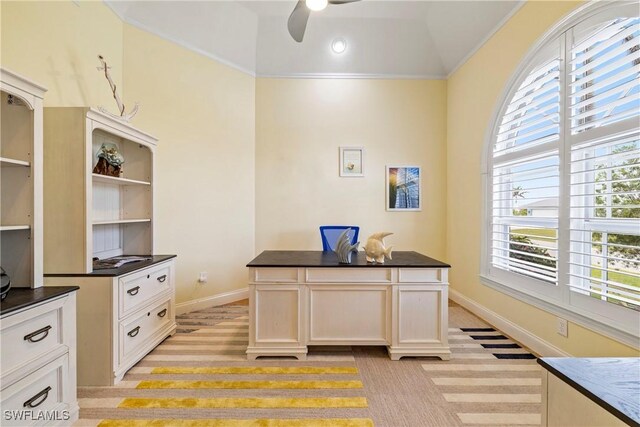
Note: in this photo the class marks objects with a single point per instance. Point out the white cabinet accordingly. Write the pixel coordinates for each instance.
(404, 309)
(121, 318)
(122, 313)
(89, 215)
(21, 179)
(39, 362)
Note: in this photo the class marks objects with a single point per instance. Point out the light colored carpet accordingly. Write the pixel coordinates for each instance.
(200, 377)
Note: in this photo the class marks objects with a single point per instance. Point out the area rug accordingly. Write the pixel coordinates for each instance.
(201, 377)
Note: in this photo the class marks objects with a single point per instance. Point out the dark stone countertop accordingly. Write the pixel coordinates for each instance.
(405, 259)
(19, 298)
(611, 382)
(113, 272)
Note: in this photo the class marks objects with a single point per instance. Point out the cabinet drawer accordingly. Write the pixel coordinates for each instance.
(276, 275)
(137, 289)
(42, 390)
(31, 334)
(348, 275)
(134, 333)
(420, 275)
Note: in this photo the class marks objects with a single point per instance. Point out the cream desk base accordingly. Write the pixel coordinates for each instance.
(303, 298)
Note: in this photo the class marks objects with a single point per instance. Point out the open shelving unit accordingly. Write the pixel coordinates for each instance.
(123, 313)
(21, 179)
(89, 215)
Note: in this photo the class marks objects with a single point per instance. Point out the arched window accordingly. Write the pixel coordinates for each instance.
(563, 174)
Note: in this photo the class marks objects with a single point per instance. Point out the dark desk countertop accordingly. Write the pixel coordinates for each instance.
(19, 298)
(612, 383)
(114, 272)
(405, 259)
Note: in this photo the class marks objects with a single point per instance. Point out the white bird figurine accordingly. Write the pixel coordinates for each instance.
(375, 249)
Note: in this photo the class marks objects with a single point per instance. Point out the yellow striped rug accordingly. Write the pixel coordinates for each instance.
(245, 402)
(249, 384)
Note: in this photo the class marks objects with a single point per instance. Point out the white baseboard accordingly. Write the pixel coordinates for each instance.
(518, 333)
(212, 301)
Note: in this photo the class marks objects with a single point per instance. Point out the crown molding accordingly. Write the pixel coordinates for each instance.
(488, 36)
(181, 43)
(372, 76)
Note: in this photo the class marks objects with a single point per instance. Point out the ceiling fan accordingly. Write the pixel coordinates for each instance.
(298, 19)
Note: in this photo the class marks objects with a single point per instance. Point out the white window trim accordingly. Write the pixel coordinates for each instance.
(556, 300)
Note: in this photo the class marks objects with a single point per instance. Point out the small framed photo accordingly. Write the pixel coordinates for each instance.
(352, 161)
(404, 188)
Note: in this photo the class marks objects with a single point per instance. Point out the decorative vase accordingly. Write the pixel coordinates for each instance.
(5, 282)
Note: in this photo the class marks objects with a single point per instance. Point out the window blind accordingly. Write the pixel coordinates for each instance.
(605, 220)
(604, 75)
(532, 116)
(525, 217)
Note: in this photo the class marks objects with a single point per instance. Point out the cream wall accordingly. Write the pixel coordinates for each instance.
(300, 123)
(56, 44)
(473, 91)
(203, 114)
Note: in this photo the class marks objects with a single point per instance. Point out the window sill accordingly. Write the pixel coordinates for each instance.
(564, 311)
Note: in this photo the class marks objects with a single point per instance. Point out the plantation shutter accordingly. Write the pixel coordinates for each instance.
(604, 75)
(532, 116)
(525, 179)
(605, 220)
(604, 165)
(525, 217)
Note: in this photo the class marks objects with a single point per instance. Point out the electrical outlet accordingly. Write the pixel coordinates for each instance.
(563, 327)
(203, 277)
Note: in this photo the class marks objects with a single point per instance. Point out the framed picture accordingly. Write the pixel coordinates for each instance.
(351, 161)
(404, 188)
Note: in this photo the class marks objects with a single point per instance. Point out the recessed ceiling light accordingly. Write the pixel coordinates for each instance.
(316, 4)
(339, 45)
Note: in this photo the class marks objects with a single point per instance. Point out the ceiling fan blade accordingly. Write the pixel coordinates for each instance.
(342, 1)
(298, 21)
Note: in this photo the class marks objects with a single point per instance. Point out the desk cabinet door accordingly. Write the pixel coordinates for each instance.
(420, 315)
(277, 314)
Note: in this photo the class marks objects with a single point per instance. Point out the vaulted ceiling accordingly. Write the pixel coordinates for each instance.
(390, 38)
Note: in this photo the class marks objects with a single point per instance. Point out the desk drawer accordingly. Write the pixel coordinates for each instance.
(42, 390)
(28, 335)
(135, 333)
(138, 289)
(275, 275)
(349, 275)
(420, 275)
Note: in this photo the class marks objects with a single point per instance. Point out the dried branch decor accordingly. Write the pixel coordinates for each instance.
(121, 109)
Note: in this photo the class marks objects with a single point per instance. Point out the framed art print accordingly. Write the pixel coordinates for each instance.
(352, 161)
(404, 188)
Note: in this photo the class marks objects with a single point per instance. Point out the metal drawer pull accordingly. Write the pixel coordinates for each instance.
(132, 333)
(44, 331)
(43, 394)
(134, 291)
(162, 278)
(162, 313)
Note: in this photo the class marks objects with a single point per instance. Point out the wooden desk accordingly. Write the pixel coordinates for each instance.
(301, 298)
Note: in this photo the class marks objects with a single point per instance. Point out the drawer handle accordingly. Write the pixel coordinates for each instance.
(31, 403)
(162, 313)
(135, 331)
(134, 291)
(44, 331)
(162, 278)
